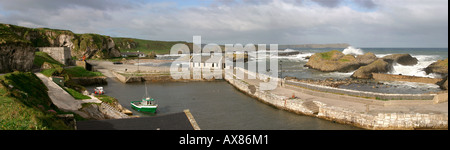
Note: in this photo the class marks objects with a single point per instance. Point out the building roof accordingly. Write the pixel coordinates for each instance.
(207, 59)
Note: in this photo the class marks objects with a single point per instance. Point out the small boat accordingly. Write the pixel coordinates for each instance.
(146, 105)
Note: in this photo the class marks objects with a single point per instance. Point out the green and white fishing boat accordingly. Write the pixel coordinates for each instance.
(147, 104)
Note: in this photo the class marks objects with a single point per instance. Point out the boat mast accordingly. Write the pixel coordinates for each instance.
(146, 93)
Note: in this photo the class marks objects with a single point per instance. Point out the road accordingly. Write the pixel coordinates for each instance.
(61, 98)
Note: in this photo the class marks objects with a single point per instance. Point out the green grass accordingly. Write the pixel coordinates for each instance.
(145, 46)
(107, 99)
(328, 55)
(81, 72)
(27, 106)
(75, 94)
(48, 72)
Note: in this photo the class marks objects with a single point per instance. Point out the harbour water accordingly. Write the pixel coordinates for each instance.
(216, 105)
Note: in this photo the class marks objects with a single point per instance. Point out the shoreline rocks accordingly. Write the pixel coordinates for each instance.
(365, 72)
(402, 59)
(438, 67)
(333, 61)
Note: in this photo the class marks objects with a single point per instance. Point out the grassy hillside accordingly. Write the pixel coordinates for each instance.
(145, 46)
(94, 44)
(25, 105)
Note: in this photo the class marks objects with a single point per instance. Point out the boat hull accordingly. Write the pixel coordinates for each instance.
(151, 109)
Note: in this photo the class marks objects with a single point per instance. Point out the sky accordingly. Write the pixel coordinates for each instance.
(361, 23)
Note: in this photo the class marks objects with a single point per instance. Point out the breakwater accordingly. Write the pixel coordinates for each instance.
(322, 108)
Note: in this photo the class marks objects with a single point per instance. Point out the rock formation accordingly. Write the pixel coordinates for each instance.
(333, 61)
(366, 59)
(16, 53)
(19, 56)
(444, 85)
(365, 72)
(402, 59)
(91, 45)
(439, 67)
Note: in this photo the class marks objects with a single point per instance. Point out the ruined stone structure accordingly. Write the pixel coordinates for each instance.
(60, 54)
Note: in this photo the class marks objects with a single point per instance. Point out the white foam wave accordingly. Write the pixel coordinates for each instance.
(353, 51)
(418, 69)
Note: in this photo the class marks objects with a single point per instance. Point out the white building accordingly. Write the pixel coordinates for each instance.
(212, 62)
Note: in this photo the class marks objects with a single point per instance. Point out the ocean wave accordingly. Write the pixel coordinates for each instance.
(353, 51)
(418, 69)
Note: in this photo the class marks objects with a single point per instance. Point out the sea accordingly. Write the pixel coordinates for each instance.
(294, 66)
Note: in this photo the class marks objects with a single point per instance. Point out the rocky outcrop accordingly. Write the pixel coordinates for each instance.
(365, 72)
(16, 56)
(402, 59)
(101, 111)
(127, 44)
(94, 46)
(333, 61)
(366, 59)
(438, 67)
(443, 84)
(91, 45)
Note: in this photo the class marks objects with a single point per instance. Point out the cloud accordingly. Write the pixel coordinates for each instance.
(365, 3)
(328, 3)
(386, 23)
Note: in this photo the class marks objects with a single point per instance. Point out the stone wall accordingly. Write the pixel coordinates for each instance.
(60, 54)
(385, 121)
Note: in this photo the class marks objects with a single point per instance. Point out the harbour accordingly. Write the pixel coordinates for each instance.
(216, 106)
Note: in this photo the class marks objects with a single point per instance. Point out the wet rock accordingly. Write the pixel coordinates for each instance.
(402, 59)
(438, 67)
(443, 84)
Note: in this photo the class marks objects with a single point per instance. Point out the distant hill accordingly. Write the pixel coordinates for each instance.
(336, 45)
(145, 46)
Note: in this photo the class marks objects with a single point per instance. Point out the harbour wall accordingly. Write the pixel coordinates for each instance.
(378, 121)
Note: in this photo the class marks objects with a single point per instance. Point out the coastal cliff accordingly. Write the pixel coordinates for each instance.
(90, 45)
